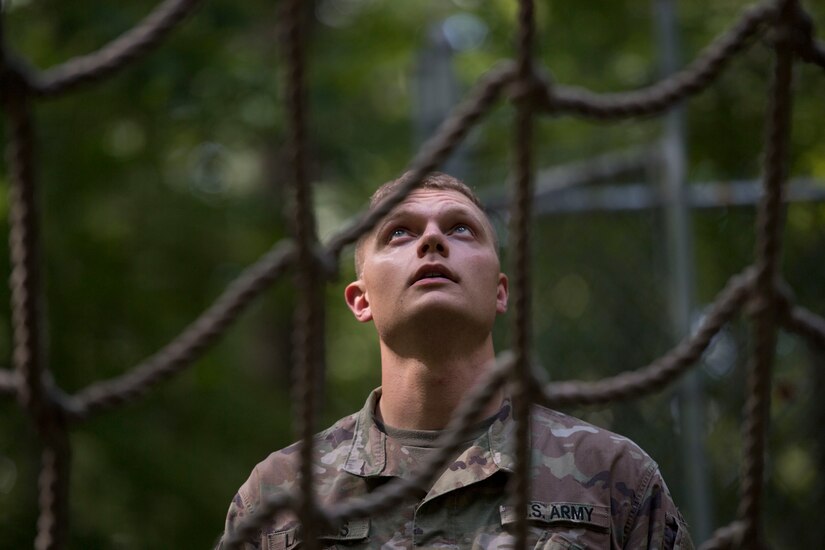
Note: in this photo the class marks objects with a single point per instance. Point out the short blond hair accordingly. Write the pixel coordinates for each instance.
(433, 180)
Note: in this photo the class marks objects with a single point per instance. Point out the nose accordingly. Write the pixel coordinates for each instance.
(433, 241)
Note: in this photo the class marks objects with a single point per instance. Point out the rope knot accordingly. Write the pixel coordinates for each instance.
(778, 302)
(802, 32)
(793, 28)
(15, 78)
(317, 262)
(534, 90)
(784, 299)
(47, 408)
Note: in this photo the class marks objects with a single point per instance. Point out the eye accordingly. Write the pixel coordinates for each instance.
(397, 233)
(462, 229)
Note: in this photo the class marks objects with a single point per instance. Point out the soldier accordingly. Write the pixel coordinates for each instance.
(430, 281)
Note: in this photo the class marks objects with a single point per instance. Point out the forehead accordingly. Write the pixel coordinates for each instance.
(436, 201)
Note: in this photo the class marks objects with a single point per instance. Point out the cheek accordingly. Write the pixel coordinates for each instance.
(485, 288)
(485, 267)
(381, 276)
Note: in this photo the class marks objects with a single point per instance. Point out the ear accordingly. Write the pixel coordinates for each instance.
(502, 293)
(356, 297)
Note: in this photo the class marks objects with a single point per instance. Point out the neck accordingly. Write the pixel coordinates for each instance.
(422, 393)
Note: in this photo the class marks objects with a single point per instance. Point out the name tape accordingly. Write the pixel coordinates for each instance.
(561, 512)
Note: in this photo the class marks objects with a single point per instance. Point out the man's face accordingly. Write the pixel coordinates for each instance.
(431, 260)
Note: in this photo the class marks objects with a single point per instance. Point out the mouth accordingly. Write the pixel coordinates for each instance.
(433, 273)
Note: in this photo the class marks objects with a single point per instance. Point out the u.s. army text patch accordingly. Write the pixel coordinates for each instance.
(561, 512)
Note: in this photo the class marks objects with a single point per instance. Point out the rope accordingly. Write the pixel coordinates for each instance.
(767, 267)
(33, 391)
(816, 54)
(53, 523)
(179, 354)
(759, 289)
(116, 55)
(662, 371)
(807, 324)
(729, 536)
(521, 379)
(666, 93)
(308, 335)
(8, 382)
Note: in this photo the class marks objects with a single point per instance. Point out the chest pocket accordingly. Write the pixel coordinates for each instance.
(353, 532)
(563, 525)
(557, 541)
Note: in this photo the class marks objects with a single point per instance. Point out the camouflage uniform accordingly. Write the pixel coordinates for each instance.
(590, 488)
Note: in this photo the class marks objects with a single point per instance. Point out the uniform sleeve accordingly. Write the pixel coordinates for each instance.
(241, 507)
(657, 524)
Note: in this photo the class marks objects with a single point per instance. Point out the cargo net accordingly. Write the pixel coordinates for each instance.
(759, 290)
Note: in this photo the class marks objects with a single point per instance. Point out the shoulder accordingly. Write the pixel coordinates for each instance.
(279, 471)
(588, 462)
(591, 447)
(591, 466)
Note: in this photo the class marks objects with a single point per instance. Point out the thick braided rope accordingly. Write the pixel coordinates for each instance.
(8, 382)
(649, 379)
(191, 343)
(24, 282)
(816, 54)
(308, 333)
(767, 268)
(807, 324)
(46, 403)
(116, 55)
(729, 536)
(53, 484)
(665, 93)
(33, 392)
(522, 208)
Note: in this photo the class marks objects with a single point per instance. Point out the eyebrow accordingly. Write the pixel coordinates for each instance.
(453, 210)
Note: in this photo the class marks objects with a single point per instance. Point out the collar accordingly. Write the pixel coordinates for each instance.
(492, 451)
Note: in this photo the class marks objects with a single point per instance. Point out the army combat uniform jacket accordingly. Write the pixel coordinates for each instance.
(590, 489)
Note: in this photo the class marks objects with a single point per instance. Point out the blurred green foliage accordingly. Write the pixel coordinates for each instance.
(161, 184)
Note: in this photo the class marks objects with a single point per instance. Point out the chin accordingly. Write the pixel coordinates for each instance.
(449, 320)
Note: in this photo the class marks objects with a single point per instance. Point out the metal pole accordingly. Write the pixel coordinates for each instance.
(691, 398)
(436, 93)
